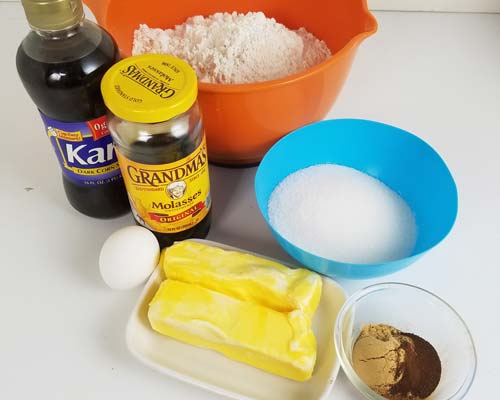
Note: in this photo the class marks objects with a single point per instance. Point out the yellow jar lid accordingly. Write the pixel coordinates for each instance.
(149, 88)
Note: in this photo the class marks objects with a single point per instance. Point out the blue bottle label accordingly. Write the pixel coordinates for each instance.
(84, 150)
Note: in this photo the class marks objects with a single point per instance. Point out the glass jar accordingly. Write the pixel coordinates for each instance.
(157, 130)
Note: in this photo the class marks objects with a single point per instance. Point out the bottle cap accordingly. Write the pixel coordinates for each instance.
(149, 88)
(53, 15)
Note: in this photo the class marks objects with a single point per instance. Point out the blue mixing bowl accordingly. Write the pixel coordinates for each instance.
(399, 159)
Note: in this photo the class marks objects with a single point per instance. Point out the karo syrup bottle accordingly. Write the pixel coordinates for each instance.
(61, 63)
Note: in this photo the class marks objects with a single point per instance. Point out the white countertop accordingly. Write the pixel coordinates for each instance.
(62, 331)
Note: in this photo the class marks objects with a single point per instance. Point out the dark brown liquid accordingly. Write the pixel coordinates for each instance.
(163, 149)
(199, 231)
(63, 78)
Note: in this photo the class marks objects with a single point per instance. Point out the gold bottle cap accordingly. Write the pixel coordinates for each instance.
(53, 15)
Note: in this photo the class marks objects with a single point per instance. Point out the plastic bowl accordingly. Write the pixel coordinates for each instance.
(402, 161)
(414, 310)
(243, 121)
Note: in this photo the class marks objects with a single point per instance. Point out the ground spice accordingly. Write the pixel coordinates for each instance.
(421, 370)
(395, 364)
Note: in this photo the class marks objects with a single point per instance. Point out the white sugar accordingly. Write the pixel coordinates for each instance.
(342, 214)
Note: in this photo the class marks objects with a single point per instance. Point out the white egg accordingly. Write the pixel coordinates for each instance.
(128, 257)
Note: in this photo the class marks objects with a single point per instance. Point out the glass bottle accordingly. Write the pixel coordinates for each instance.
(61, 63)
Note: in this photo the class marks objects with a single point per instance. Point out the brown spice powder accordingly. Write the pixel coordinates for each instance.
(395, 364)
(422, 369)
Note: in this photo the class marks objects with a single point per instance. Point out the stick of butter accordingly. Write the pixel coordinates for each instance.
(244, 276)
(281, 343)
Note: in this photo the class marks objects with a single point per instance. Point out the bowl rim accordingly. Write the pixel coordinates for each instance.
(349, 371)
(322, 260)
(371, 26)
(100, 12)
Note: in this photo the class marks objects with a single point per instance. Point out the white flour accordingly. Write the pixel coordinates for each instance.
(235, 48)
(342, 214)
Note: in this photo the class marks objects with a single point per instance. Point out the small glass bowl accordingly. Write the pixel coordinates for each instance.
(414, 310)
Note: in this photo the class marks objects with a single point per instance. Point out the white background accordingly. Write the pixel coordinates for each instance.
(428, 5)
(62, 330)
(437, 5)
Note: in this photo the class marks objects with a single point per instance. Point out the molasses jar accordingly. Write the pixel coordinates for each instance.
(157, 130)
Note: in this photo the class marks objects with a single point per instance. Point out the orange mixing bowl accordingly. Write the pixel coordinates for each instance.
(243, 121)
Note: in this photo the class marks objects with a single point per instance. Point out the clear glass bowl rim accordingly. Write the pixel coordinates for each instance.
(345, 363)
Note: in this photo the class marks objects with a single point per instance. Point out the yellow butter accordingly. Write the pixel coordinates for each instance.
(244, 276)
(280, 343)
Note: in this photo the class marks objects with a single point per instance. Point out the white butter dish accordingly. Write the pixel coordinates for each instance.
(213, 371)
